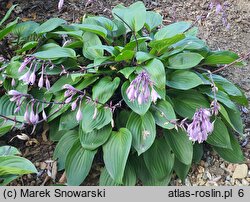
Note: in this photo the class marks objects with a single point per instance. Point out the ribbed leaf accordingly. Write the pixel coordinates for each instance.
(143, 131)
(105, 88)
(15, 165)
(92, 28)
(159, 160)
(129, 178)
(181, 169)
(233, 155)
(95, 138)
(78, 164)
(180, 144)
(153, 20)
(49, 25)
(220, 136)
(63, 147)
(9, 151)
(163, 112)
(115, 153)
(89, 122)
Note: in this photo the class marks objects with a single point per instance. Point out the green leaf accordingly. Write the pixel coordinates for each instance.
(95, 138)
(68, 120)
(172, 30)
(27, 46)
(55, 53)
(159, 160)
(91, 40)
(139, 109)
(143, 131)
(163, 112)
(78, 164)
(95, 29)
(145, 176)
(103, 117)
(15, 165)
(25, 29)
(122, 118)
(115, 153)
(220, 136)
(156, 70)
(54, 133)
(7, 107)
(6, 179)
(181, 169)
(9, 151)
(125, 55)
(189, 43)
(162, 45)
(220, 57)
(180, 144)
(153, 20)
(63, 147)
(187, 102)
(198, 152)
(184, 60)
(127, 71)
(129, 178)
(134, 15)
(49, 25)
(7, 15)
(105, 88)
(7, 29)
(233, 155)
(143, 57)
(183, 80)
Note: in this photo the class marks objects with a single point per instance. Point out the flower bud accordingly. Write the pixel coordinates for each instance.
(79, 115)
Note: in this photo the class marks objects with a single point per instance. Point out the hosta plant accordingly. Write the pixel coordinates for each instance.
(138, 95)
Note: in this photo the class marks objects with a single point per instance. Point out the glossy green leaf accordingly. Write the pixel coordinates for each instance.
(130, 15)
(172, 30)
(91, 40)
(55, 53)
(95, 138)
(4, 32)
(25, 29)
(183, 80)
(233, 155)
(184, 60)
(198, 152)
(125, 56)
(9, 151)
(15, 165)
(129, 178)
(220, 136)
(220, 57)
(7, 15)
(127, 71)
(153, 20)
(105, 89)
(89, 123)
(143, 130)
(159, 160)
(95, 29)
(143, 57)
(115, 153)
(78, 164)
(186, 103)
(181, 169)
(49, 25)
(156, 70)
(180, 144)
(139, 109)
(27, 46)
(163, 112)
(63, 147)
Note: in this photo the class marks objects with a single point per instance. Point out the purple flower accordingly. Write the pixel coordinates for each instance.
(47, 83)
(26, 77)
(215, 107)
(13, 82)
(79, 114)
(60, 4)
(74, 105)
(32, 116)
(14, 93)
(40, 82)
(139, 89)
(68, 87)
(32, 78)
(201, 126)
(154, 95)
(25, 63)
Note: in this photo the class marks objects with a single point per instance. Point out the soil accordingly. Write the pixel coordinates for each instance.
(212, 170)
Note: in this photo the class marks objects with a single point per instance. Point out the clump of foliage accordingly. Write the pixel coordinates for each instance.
(138, 94)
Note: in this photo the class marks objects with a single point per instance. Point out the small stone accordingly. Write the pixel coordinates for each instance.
(240, 171)
(245, 182)
(200, 169)
(231, 168)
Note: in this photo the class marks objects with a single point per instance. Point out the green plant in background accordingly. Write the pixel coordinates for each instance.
(13, 166)
(141, 95)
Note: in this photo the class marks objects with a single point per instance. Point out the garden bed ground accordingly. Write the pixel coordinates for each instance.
(212, 169)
